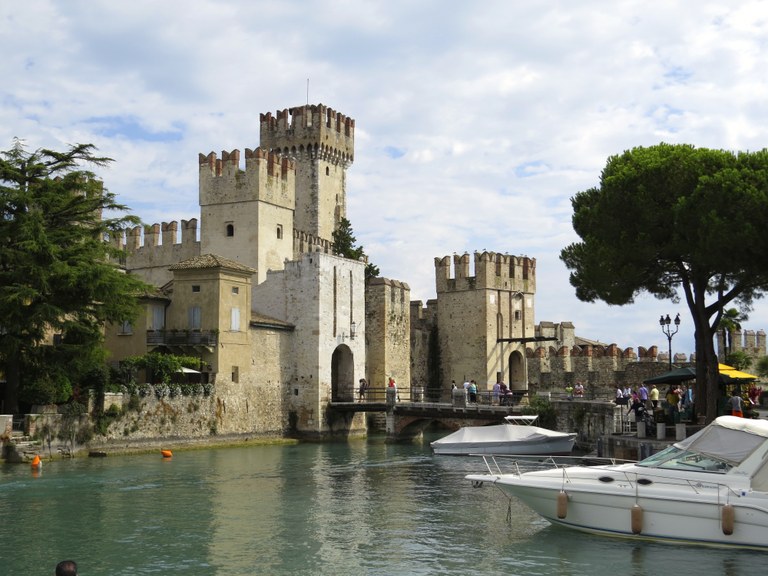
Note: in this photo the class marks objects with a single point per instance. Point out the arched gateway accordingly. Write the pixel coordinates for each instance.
(517, 378)
(342, 375)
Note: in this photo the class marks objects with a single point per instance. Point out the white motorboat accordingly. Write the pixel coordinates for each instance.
(711, 488)
(517, 435)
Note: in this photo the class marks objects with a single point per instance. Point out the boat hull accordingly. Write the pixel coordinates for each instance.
(675, 510)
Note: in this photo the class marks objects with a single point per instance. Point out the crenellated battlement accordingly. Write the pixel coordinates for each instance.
(303, 242)
(156, 235)
(267, 176)
(310, 129)
(492, 271)
(228, 166)
(149, 250)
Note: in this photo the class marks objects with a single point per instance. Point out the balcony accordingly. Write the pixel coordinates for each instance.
(190, 338)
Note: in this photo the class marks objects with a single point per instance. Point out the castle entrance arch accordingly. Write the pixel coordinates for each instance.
(342, 375)
(516, 368)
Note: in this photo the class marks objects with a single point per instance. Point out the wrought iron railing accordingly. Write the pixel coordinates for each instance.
(182, 337)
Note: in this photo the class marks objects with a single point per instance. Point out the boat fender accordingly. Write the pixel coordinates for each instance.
(36, 462)
(166, 453)
(562, 504)
(727, 516)
(637, 519)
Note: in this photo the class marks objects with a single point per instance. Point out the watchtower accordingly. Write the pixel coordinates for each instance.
(486, 318)
(321, 142)
(247, 215)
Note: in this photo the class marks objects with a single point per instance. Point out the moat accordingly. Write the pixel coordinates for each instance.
(363, 507)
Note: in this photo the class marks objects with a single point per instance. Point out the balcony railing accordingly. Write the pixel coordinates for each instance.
(182, 337)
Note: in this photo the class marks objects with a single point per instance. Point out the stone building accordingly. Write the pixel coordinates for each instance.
(482, 318)
(282, 326)
(277, 321)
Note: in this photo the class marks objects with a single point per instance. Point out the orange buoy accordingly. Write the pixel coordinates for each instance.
(562, 504)
(36, 462)
(166, 453)
(637, 519)
(727, 518)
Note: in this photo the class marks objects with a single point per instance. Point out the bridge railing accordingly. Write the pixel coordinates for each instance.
(422, 394)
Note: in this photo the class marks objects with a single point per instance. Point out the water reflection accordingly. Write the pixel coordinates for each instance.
(360, 508)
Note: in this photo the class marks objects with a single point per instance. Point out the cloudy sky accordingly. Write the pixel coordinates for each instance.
(476, 122)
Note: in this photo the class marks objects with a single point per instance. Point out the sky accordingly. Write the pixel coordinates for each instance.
(475, 122)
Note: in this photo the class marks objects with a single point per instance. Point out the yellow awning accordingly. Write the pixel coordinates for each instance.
(733, 373)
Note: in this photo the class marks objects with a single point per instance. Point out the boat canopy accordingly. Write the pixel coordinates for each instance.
(729, 438)
(499, 433)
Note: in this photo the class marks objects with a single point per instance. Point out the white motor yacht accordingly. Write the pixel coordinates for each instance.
(711, 488)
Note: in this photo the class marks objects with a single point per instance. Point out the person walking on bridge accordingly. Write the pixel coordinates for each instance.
(361, 390)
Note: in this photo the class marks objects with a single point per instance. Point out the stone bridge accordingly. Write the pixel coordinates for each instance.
(406, 420)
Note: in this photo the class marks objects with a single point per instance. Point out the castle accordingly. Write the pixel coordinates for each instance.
(282, 326)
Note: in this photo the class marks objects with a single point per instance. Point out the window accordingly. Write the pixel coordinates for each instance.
(230, 230)
(327, 171)
(235, 290)
(279, 231)
(234, 323)
(235, 374)
(157, 318)
(195, 318)
(125, 329)
(195, 288)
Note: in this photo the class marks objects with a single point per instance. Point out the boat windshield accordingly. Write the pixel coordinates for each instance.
(677, 459)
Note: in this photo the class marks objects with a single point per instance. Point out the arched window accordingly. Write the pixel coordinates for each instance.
(279, 231)
(230, 230)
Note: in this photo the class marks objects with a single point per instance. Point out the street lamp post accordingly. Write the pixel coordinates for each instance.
(665, 324)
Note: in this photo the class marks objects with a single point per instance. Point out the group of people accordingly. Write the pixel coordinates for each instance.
(677, 399)
(362, 388)
(576, 391)
(501, 394)
(470, 388)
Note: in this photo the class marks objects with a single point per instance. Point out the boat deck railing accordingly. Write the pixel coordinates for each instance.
(518, 463)
(515, 465)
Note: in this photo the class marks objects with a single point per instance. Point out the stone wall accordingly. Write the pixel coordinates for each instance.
(599, 368)
(388, 332)
(589, 419)
(229, 411)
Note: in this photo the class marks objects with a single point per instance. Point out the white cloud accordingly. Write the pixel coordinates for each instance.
(475, 123)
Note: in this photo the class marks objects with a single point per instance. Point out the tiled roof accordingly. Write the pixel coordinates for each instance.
(261, 320)
(210, 261)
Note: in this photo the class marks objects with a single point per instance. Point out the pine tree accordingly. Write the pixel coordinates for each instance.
(344, 245)
(57, 271)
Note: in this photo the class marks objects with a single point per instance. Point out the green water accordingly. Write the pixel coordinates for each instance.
(328, 509)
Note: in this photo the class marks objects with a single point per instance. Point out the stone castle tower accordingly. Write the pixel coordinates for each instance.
(298, 339)
(286, 201)
(289, 198)
(485, 319)
(322, 144)
(247, 215)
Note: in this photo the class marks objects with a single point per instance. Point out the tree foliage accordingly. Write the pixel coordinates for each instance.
(159, 368)
(674, 220)
(57, 272)
(739, 360)
(344, 245)
(730, 322)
